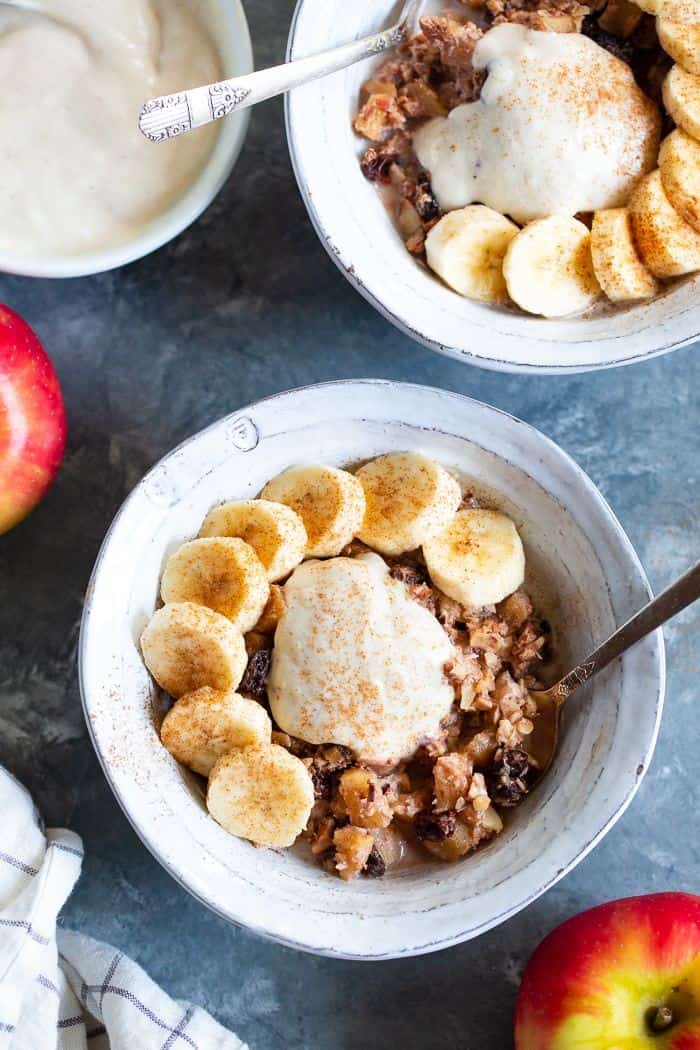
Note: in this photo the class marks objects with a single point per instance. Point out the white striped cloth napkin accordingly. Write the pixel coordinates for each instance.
(61, 990)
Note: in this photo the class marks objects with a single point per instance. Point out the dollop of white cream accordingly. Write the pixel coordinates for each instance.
(77, 174)
(561, 127)
(358, 662)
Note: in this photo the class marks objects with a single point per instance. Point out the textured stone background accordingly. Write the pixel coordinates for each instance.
(245, 304)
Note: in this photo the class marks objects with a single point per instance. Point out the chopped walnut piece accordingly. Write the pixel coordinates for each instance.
(558, 16)
(512, 699)
(528, 648)
(454, 38)
(366, 803)
(489, 633)
(452, 776)
(353, 847)
(379, 115)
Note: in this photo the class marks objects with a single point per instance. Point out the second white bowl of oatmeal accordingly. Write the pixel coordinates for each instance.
(357, 231)
(581, 563)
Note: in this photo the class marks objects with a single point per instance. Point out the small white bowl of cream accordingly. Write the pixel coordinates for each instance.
(83, 191)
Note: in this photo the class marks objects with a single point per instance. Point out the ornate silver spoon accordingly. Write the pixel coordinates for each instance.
(170, 115)
(550, 701)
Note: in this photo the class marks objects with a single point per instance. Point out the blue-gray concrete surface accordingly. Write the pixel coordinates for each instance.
(243, 305)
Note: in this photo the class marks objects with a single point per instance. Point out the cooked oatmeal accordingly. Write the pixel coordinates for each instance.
(378, 718)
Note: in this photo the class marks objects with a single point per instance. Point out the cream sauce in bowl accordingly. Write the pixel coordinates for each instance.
(561, 127)
(77, 174)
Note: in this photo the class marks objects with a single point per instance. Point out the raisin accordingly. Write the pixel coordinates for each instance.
(375, 866)
(376, 164)
(435, 827)
(509, 777)
(411, 575)
(424, 199)
(254, 680)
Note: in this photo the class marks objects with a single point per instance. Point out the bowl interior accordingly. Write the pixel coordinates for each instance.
(357, 230)
(228, 28)
(581, 569)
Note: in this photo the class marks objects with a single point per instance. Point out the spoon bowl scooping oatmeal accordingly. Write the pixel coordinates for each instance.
(367, 691)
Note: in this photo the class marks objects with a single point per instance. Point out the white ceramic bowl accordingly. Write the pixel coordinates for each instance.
(226, 22)
(576, 550)
(357, 231)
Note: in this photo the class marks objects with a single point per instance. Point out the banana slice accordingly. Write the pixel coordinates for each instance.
(668, 245)
(223, 573)
(673, 10)
(206, 724)
(262, 794)
(679, 163)
(621, 273)
(466, 248)
(682, 42)
(186, 646)
(478, 560)
(548, 267)
(409, 498)
(681, 92)
(330, 502)
(274, 531)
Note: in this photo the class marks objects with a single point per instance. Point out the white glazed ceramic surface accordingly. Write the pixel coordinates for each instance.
(576, 551)
(228, 27)
(361, 238)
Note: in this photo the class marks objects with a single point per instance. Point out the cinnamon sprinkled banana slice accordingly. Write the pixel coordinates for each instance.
(679, 163)
(186, 646)
(620, 272)
(263, 794)
(466, 248)
(668, 245)
(682, 42)
(329, 501)
(204, 725)
(221, 572)
(673, 10)
(478, 559)
(409, 498)
(548, 267)
(274, 531)
(681, 91)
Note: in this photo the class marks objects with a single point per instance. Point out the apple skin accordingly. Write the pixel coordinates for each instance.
(32, 420)
(592, 982)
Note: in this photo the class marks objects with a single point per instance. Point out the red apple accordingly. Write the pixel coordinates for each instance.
(32, 420)
(623, 976)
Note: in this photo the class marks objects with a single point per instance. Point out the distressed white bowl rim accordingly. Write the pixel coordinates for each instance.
(358, 234)
(358, 936)
(237, 51)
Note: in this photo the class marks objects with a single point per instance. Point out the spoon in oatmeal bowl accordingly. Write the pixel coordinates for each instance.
(677, 596)
(169, 116)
